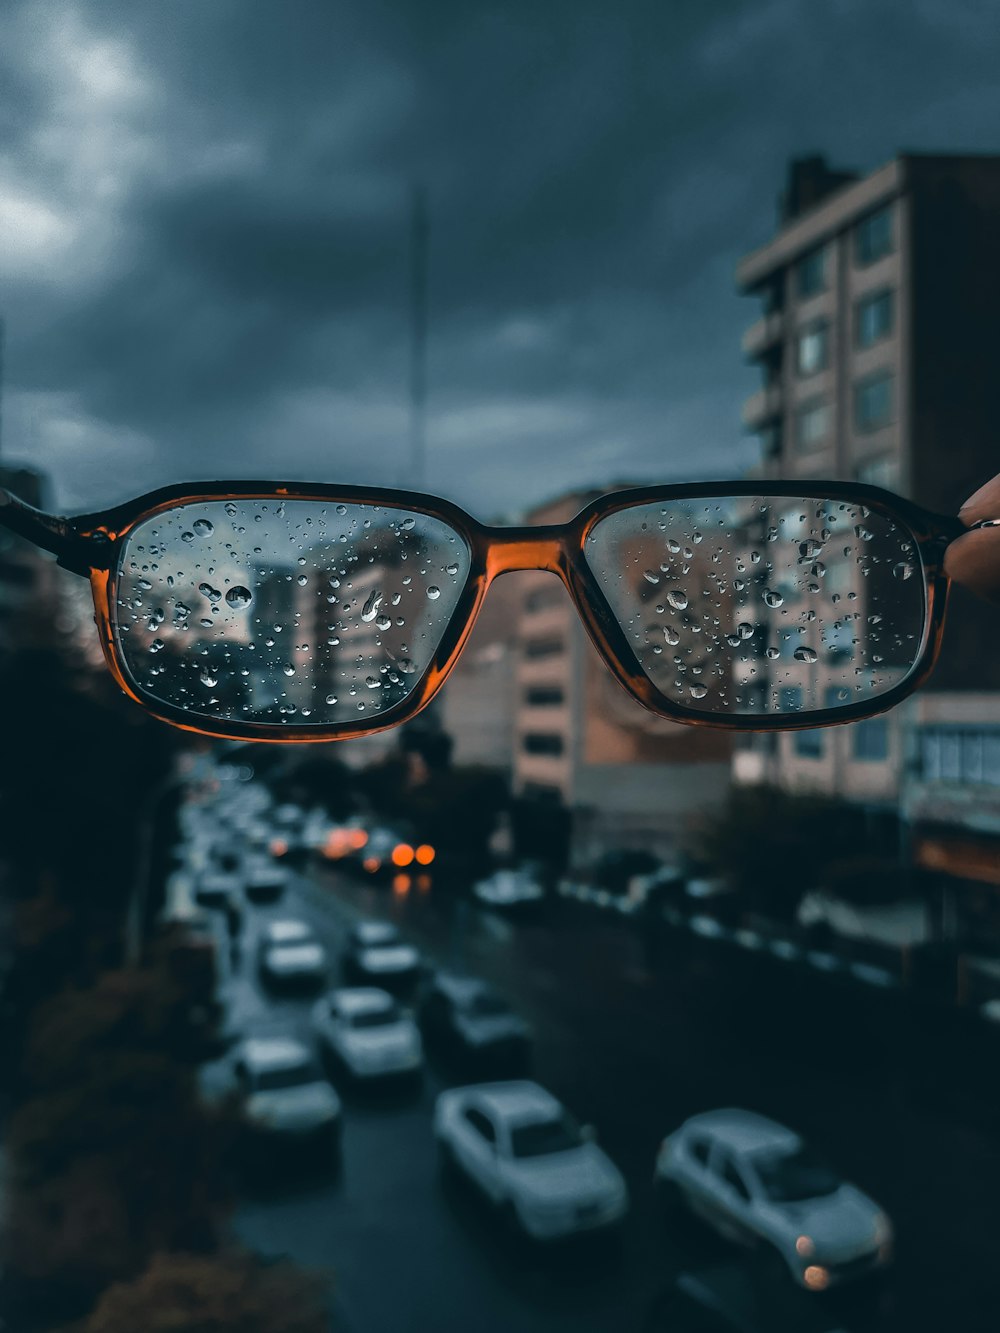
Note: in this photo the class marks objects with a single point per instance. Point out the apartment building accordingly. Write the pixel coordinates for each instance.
(629, 778)
(877, 345)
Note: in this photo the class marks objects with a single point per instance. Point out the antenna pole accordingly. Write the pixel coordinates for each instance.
(418, 336)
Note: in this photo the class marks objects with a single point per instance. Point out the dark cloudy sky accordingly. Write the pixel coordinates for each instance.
(203, 224)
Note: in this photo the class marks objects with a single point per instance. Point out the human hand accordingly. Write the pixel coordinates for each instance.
(973, 560)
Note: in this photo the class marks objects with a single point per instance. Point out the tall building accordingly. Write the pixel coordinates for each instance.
(877, 344)
(629, 778)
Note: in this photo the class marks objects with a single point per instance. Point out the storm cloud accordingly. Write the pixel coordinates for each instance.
(204, 226)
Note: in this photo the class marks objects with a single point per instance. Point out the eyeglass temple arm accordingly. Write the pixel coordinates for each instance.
(74, 549)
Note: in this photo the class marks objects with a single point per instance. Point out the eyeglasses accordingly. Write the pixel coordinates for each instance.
(257, 611)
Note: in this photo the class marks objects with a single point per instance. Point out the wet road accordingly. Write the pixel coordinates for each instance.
(633, 1044)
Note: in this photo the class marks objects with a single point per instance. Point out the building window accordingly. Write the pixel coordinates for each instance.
(543, 647)
(881, 471)
(961, 754)
(810, 272)
(813, 350)
(873, 318)
(871, 739)
(544, 696)
(873, 402)
(812, 425)
(809, 744)
(542, 742)
(539, 598)
(873, 237)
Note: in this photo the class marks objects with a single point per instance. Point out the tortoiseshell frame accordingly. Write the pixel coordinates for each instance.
(92, 545)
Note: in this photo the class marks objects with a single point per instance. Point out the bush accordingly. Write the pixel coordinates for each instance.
(230, 1293)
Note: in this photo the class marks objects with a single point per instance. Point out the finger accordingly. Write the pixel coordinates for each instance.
(984, 504)
(974, 561)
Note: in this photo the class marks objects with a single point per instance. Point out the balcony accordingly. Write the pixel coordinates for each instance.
(764, 335)
(762, 407)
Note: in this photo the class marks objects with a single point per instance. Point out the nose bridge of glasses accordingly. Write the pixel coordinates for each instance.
(511, 549)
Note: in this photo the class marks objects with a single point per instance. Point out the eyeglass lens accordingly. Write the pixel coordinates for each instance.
(763, 605)
(286, 611)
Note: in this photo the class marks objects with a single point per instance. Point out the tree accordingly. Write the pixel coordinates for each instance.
(774, 846)
(228, 1293)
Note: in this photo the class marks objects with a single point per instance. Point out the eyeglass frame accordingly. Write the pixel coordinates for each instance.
(91, 545)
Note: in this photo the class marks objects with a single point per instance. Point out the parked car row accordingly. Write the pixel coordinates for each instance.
(748, 1178)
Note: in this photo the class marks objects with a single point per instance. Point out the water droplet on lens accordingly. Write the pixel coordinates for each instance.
(677, 599)
(288, 669)
(406, 666)
(810, 549)
(433, 593)
(773, 598)
(302, 580)
(371, 606)
(231, 509)
(239, 597)
(156, 645)
(772, 653)
(331, 698)
(744, 630)
(342, 510)
(698, 691)
(208, 677)
(863, 532)
(451, 569)
(650, 577)
(904, 570)
(372, 682)
(671, 635)
(145, 584)
(208, 591)
(805, 655)
(407, 523)
(187, 536)
(383, 623)
(202, 527)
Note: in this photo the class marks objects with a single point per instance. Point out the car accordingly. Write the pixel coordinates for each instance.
(265, 882)
(376, 953)
(290, 955)
(465, 1018)
(520, 1146)
(510, 890)
(283, 1091)
(216, 888)
(756, 1181)
(367, 1034)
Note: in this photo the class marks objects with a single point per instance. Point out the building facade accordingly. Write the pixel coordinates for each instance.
(628, 777)
(877, 342)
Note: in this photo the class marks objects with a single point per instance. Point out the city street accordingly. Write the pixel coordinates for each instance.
(632, 1046)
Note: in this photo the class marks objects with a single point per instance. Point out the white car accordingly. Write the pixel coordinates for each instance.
(291, 955)
(523, 1150)
(509, 890)
(215, 888)
(755, 1181)
(265, 882)
(367, 1033)
(283, 1090)
(375, 953)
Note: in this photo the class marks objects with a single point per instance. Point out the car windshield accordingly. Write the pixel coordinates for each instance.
(796, 1176)
(376, 1018)
(541, 1138)
(283, 1077)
